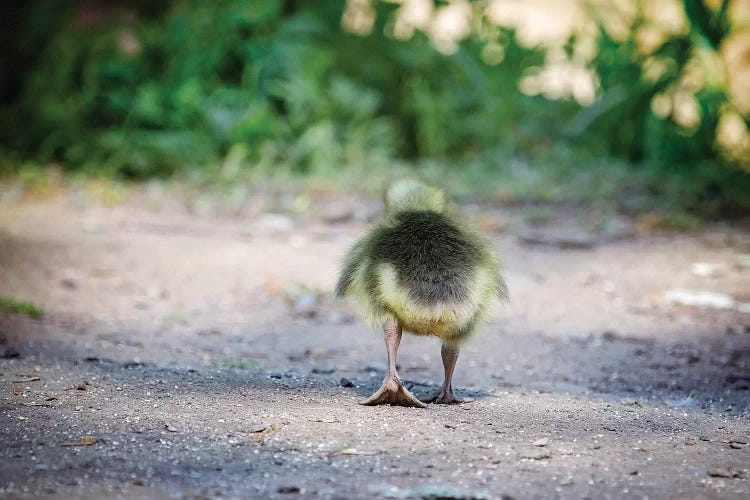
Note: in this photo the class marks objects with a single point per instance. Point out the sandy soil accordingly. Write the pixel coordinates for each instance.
(201, 356)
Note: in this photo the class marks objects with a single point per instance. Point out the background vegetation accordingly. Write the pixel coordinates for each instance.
(619, 99)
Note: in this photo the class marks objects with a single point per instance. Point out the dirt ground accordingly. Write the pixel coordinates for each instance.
(189, 353)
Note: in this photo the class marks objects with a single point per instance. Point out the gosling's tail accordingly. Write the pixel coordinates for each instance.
(410, 194)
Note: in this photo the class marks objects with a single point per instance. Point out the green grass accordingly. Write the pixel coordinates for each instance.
(243, 364)
(21, 307)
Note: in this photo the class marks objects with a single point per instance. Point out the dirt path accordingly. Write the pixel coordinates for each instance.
(204, 358)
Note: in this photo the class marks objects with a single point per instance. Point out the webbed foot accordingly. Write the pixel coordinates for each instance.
(393, 392)
(444, 397)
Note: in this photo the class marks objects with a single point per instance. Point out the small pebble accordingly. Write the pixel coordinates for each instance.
(536, 455)
(289, 489)
(69, 283)
(345, 382)
(306, 305)
(721, 472)
(11, 353)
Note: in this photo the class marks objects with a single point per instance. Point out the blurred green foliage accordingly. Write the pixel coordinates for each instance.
(141, 89)
(623, 117)
(265, 82)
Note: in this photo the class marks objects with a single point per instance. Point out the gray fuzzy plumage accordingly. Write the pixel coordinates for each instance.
(434, 274)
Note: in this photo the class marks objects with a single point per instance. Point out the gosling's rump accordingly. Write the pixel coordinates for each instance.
(433, 259)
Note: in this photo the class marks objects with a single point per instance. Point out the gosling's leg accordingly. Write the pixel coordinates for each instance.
(393, 392)
(449, 353)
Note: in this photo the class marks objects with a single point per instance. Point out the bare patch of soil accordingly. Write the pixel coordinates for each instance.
(202, 356)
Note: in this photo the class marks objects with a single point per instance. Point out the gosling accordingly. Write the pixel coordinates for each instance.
(423, 271)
